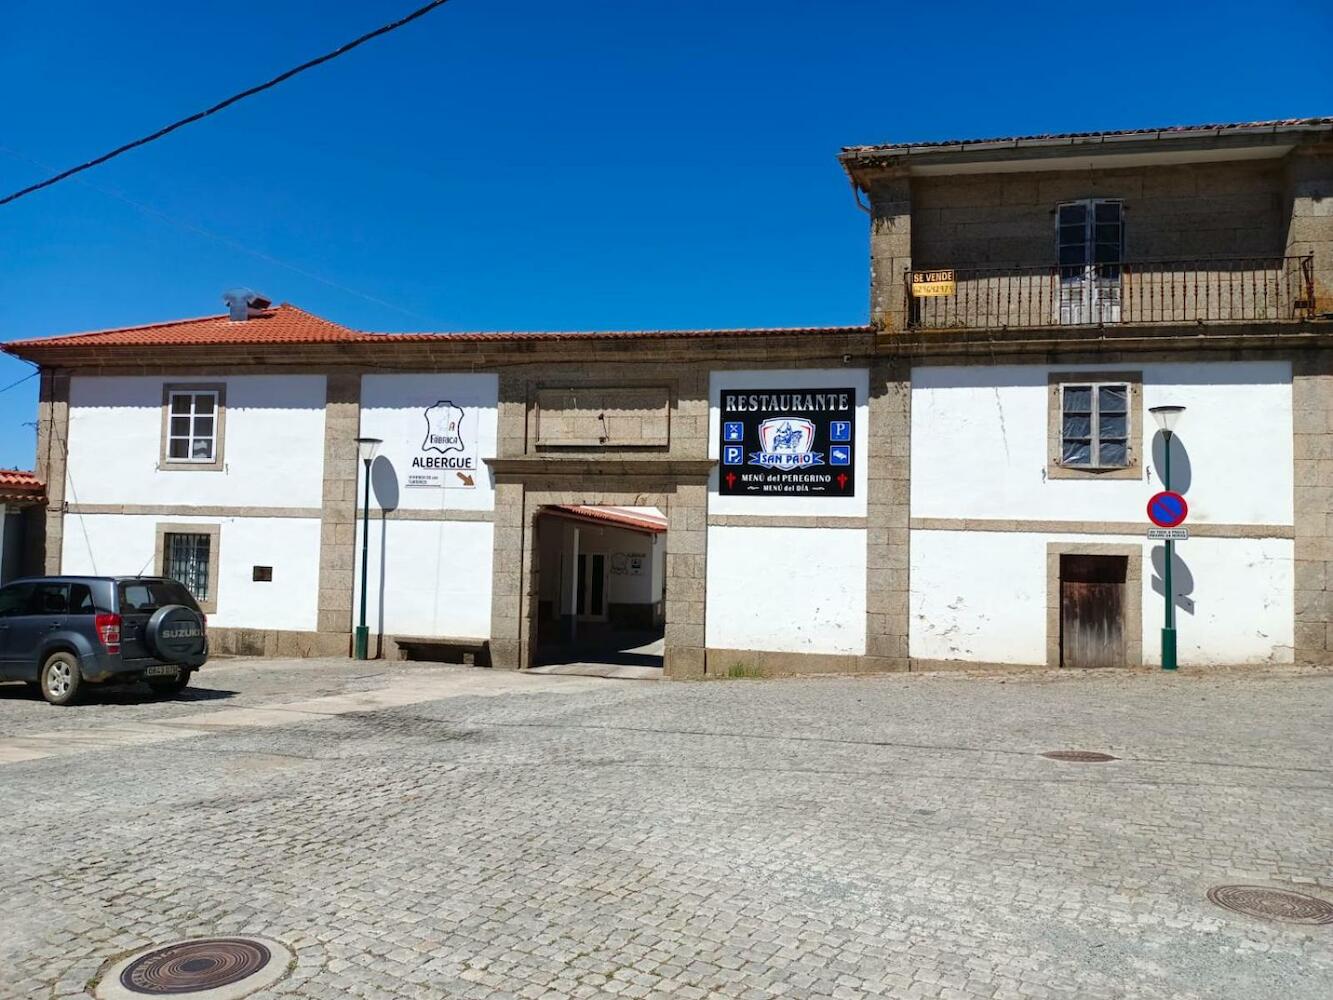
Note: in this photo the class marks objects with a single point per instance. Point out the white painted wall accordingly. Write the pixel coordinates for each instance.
(980, 596)
(435, 577)
(393, 408)
(790, 590)
(123, 544)
(1237, 601)
(979, 444)
(622, 586)
(273, 446)
(797, 378)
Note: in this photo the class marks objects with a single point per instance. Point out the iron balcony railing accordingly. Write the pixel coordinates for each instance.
(1217, 290)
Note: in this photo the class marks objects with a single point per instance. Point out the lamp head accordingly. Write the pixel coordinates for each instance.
(1166, 416)
(368, 448)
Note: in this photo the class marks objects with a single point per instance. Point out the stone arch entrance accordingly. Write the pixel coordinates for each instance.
(523, 487)
(601, 576)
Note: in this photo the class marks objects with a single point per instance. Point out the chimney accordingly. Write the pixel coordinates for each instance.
(243, 303)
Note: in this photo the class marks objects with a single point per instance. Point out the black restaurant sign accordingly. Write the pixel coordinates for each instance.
(787, 442)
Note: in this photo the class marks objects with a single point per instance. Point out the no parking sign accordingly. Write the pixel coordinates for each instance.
(1167, 509)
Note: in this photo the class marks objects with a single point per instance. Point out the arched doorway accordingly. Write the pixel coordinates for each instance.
(600, 590)
(529, 490)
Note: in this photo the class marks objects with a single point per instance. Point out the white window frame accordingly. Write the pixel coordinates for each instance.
(190, 438)
(171, 393)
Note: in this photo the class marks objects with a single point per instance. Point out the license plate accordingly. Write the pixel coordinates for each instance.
(161, 670)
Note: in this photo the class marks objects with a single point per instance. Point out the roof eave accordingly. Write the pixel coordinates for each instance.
(371, 350)
(858, 160)
(21, 499)
(624, 522)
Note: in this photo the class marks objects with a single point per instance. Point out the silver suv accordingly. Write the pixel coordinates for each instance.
(58, 633)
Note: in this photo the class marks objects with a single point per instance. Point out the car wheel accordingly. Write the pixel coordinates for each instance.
(60, 679)
(171, 685)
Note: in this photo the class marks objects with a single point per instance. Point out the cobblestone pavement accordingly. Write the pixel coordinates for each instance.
(221, 683)
(566, 837)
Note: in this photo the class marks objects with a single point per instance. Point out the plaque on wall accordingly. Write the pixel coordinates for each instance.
(603, 417)
(787, 442)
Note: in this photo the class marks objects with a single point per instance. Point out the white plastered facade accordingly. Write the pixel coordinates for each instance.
(272, 445)
(798, 588)
(980, 443)
(429, 570)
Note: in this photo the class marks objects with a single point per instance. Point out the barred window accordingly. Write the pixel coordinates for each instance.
(1094, 425)
(186, 560)
(192, 425)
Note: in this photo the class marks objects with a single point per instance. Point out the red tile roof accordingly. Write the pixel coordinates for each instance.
(1172, 130)
(283, 324)
(18, 485)
(633, 519)
(286, 324)
(514, 335)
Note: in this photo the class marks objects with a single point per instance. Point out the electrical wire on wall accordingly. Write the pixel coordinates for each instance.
(69, 485)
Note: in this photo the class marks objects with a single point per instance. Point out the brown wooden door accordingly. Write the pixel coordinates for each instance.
(1092, 603)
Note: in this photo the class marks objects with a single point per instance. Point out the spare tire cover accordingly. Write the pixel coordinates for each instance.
(175, 633)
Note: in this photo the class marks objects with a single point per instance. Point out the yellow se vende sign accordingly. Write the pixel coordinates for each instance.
(930, 283)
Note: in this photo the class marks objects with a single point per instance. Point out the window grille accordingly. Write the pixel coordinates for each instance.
(186, 561)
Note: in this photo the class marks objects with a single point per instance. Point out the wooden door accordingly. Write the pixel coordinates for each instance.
(1092, 611)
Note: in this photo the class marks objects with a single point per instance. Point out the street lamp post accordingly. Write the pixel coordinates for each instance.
(366, 448)
(1166, 417)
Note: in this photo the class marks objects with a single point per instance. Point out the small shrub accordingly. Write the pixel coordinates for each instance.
(743, 671)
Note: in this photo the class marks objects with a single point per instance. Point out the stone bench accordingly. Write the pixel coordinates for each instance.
(443, 649)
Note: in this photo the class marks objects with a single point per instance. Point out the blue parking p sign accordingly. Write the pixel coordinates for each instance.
(840, 430)
(733, 455)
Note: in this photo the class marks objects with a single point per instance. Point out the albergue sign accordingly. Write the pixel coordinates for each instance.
(787, 442)
(447, 456)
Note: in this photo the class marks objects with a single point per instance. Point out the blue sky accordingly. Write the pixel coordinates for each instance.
(514, 164)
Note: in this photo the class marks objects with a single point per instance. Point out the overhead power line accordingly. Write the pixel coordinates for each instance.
(15, 385)
(281, 77)
(226, 241)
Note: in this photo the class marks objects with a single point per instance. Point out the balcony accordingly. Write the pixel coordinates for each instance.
(1217, 290)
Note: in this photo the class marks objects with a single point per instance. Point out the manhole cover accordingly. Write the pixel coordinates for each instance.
(1272, 904)
(216, 968)
(1079, 756)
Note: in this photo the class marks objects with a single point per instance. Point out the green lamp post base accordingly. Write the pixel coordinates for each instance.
(361, 642)
(1168, 649)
